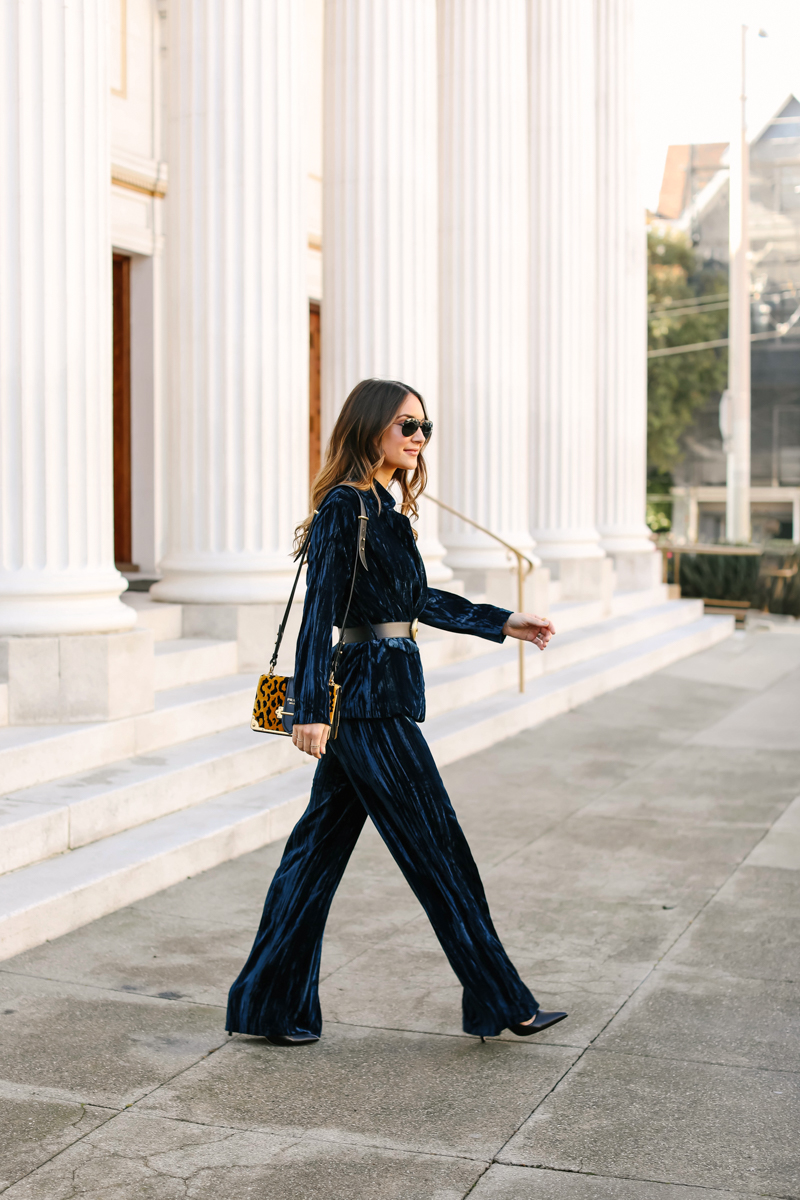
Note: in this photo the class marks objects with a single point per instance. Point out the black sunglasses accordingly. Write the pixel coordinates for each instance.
(411, 425)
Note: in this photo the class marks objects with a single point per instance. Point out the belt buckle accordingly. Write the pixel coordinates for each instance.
(414, 627)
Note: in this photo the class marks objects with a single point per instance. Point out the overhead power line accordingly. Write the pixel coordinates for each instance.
(708, 303)
(779, 332)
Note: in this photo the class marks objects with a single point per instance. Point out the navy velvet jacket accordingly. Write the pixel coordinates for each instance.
(382, 677)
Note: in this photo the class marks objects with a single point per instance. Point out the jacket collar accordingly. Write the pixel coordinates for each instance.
(386, 496)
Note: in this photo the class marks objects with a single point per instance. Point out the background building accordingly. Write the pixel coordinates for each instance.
(695, 194)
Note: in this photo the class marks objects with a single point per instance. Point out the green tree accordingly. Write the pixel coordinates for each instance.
(679, 385)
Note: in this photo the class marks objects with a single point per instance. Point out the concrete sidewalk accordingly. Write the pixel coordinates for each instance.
(641, 856)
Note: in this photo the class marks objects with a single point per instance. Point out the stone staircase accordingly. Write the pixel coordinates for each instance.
(96, 816)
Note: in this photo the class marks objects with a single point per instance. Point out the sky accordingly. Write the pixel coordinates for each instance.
(688, 56)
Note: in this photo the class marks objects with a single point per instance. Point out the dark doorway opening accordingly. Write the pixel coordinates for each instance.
(314, 393)
(123, 545)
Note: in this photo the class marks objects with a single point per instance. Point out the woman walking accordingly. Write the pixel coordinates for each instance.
(379, 764)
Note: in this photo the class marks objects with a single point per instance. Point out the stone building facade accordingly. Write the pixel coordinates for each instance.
(195, 190)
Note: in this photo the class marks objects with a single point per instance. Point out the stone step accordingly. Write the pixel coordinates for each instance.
(181, 661)
(165, 621)
(36, 754)
(568, 615)
(446, 687)
(44, 901)
(3, 703)
(623, 603)
(31, 757)
(32, 754)
(473, 727)
(79, 809)
(216, 753)
(50, 898)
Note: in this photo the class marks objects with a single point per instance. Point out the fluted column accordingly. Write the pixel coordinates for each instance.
(621, 292)
(379, 266)
(484, 266)
(563, 211)
(238, 333)
(57, 571)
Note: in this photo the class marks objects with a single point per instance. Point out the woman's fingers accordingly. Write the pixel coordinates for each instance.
(530, 628)
(311, 739)
(542, 630)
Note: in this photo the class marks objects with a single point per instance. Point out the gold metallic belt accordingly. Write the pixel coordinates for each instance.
(363, 633)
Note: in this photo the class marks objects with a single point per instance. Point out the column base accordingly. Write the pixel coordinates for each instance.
(224, 589)
(38, 605)
(74, 678)
(583, 579)
(253, 627)
(636, 572)
(433, 553)
(226, 578)
(501, 587)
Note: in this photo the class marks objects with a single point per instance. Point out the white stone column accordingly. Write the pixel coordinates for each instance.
(57, 573)
(237, 301)
(563, 216)
(621, 297)
(379, 310)
(483, 278)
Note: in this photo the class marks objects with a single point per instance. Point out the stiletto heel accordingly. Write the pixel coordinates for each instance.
(542, 1020)
(483, 1039)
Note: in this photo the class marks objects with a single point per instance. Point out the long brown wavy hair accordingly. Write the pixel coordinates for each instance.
(354, 454)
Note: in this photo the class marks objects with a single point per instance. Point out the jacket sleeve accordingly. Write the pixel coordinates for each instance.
(331, 553)
(446, 610)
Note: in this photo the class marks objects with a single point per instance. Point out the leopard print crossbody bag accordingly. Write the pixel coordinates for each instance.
(273, 711)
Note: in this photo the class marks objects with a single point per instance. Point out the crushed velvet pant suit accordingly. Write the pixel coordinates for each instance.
(379, 766)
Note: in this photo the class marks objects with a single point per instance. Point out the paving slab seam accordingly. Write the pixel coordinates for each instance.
(705, 1187)
(9, 1090)
(706, 1062)
(145, 912)
(116, 991)
(518, 1045)
(681, 969)
(311, 1135)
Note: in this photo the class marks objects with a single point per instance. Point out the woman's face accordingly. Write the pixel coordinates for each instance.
(401, 452)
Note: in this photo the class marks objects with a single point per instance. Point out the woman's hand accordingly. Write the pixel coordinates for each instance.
(529, 628)
(311, 739)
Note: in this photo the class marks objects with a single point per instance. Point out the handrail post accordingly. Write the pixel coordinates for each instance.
(521, 608)
(520, 571)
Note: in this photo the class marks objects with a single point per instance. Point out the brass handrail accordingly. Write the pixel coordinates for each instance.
(521, 573)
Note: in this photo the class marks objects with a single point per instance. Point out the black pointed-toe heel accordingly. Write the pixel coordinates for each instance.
(282, 1039)
(542, 1020)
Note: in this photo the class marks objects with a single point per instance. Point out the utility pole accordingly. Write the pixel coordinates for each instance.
(737, 504)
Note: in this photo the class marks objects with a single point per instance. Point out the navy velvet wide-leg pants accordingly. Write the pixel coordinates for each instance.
(381, 768)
